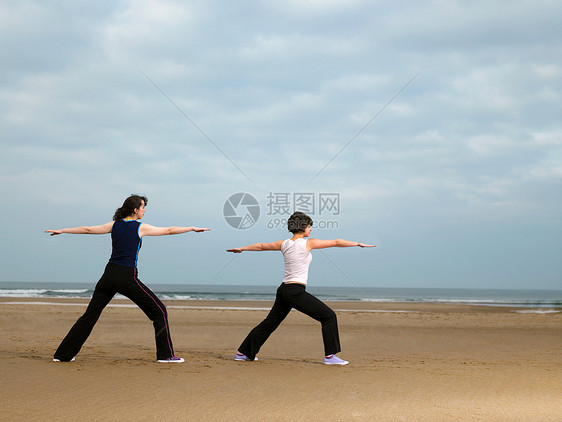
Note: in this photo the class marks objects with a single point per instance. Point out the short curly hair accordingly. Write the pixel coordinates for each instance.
(298, 222)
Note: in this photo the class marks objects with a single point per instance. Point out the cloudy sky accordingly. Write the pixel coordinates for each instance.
(436, 125)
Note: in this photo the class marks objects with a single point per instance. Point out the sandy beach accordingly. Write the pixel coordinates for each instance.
(432, 363)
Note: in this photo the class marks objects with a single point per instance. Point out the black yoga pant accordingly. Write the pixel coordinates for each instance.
(294, 296)
(123, 280)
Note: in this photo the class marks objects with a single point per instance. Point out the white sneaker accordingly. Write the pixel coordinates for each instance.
(58, 360)
(173, 359)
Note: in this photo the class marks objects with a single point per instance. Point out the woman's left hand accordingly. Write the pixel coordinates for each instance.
(54, 232)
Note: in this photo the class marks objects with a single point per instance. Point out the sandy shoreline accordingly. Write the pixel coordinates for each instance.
(434, 362)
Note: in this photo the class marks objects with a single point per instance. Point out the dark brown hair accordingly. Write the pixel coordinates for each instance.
(298, 222)
(128, 208)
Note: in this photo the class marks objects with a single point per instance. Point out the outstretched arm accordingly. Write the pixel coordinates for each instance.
(273, 246)
(334, 243)
(148, 230)
(101, 229)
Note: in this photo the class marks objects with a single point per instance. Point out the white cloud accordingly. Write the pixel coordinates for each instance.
(547, 172)
(549, 72)
(546, 138)
(282, 46)
(146, 26)
(491, 144)
(313, 8)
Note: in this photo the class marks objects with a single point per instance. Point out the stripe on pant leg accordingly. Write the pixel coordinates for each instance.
(139, 283)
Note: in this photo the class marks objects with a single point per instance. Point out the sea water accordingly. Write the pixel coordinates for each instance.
(493, 297)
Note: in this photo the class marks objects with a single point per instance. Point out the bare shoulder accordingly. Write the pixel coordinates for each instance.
(313, 241)
(146, 229)
(273, 246)
(319, 243)
(103, 228)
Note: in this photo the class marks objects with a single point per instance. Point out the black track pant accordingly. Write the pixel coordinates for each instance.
(294, 296)
(123, 280)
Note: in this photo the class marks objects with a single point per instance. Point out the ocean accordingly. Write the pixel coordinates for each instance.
(543, 299)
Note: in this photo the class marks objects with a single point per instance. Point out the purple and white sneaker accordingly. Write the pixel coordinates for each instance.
(334, 360)
(173, 359)
(240, 356)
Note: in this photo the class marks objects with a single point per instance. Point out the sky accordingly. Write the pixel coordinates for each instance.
(430, 128)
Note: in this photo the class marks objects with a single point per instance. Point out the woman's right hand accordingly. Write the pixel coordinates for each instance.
(235, 250)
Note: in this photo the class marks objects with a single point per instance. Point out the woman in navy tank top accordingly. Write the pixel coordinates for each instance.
(121, 276)
(292, 292)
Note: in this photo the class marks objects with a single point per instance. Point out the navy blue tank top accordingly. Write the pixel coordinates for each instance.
(126, 243)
